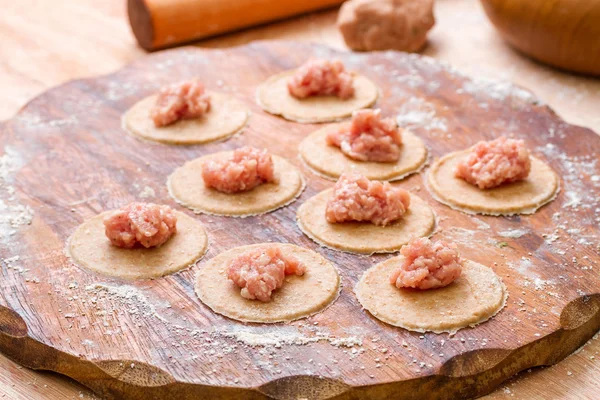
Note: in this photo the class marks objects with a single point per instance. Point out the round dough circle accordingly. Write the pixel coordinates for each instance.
(329, 161)
(91, 249)
(364, 237)
(226, 117)
(477, 295)
(523, 197)
(187, 187)
(300, 296)
(273, 97)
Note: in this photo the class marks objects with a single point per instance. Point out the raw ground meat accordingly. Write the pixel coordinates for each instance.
(148, 224)
(427, 265)
(260, 271)
(321, 78)
(368, 137)
(247, 168)
(495, 162)
(386, 24)
(183, 100)
(355, 198)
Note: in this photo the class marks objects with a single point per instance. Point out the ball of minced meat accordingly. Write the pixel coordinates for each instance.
(386, 24)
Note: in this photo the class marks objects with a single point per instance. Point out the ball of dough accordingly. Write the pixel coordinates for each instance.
(386, 24)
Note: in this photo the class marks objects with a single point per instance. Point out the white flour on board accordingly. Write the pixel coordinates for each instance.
(285, 336)
(514, 233)
(136, 303)
(13, 214)
(417, 112)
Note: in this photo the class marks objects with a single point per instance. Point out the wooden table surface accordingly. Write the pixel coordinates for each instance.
(45, 43)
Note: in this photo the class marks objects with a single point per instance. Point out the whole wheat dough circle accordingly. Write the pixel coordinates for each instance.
(523, 197)
(187, 188)
(273, 97)
(329, 161)
(91, 249)
(477, 295)
(364, 237)
(226, 117)
(300, 296)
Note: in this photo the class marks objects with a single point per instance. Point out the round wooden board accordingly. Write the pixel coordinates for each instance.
(66, 159)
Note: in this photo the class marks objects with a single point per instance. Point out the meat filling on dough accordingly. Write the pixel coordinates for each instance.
(183, 100)
(321, 78)
(247, 168)
(368, 137)
(261, 271)
(356, 198)
(148, 224)
(427, 265)
(492, 163)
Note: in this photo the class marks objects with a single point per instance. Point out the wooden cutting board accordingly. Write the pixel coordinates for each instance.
(66, 158)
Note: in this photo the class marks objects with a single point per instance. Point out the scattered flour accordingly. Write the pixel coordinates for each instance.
(573, 199)
(286, 336)
(147, 192)
(12, 213)
(136, 302)
(578, 195)
(514, 233)
(418, 113)
(32, 120)
(498, 90)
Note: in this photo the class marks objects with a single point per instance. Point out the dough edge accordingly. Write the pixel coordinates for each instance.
(324, 244)
(126, 125)
(335, 118)
(197, 210)
(451, 332)
(330, 301)
(392, 178)
(73, 260)
(528, 210)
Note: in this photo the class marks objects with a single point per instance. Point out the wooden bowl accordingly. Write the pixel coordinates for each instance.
(561, 33)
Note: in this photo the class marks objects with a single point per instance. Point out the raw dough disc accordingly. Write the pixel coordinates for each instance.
(477, 295)
(226, 118)
(329, 161)
(300, 296)
(187, 187)
(364, 237)
(523, 197)
(90, 248)
(273, 97)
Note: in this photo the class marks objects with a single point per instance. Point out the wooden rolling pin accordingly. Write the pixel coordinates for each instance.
(163, 23)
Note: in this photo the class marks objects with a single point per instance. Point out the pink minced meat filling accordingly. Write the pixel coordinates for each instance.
(355, 198)
(321, 78)
(184, 100)
(427, 265)
(246, 169)
(368, 137)
(492, 163)
(261, 271)
(148, 224)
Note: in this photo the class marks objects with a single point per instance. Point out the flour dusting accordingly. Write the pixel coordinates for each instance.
(418, 113)
(133, 299)
(147, 192)
(13, 214)
(498, 90)
(514, 233)
(286, 336)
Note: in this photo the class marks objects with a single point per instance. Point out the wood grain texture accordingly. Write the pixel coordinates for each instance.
(29, 66)
(150, 338)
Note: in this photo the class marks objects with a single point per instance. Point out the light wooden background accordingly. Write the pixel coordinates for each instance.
(44, 43)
